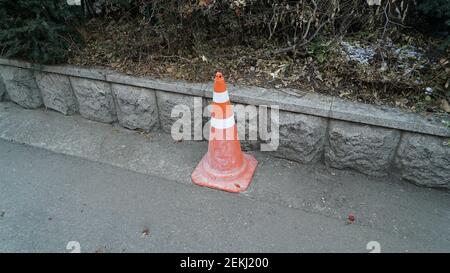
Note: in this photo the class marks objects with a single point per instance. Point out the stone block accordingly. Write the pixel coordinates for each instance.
(136, 107)
(168, 101)
(367, 149)
(424, 160)
(301, 137)
(94, 98)
(21, 86)
(57, 92)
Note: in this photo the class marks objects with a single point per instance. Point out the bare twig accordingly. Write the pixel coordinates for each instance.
(386, 15)
(305, 42)
(173, 57)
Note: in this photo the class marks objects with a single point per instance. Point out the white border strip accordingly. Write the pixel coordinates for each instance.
(222, 123)
(221, 97)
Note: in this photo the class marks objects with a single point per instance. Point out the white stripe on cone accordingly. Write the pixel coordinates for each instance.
(221, 97)
(222, 123)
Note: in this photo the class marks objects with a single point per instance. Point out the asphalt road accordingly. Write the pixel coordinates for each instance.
(48, 200)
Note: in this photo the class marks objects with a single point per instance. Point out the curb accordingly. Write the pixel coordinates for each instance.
(370, 139)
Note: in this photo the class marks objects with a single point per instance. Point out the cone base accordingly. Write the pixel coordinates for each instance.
(232, 182)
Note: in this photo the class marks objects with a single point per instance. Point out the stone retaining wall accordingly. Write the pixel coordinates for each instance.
(373, 140)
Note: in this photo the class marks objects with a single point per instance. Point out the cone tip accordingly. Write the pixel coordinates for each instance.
(219, 83)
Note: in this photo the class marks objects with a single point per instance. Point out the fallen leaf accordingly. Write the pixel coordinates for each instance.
(344, 94)
(401, 102)
(445, 106)
(204, 3)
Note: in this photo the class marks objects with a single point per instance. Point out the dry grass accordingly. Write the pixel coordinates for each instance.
(320, 67)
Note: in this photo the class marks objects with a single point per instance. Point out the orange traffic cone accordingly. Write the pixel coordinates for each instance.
(224, 166)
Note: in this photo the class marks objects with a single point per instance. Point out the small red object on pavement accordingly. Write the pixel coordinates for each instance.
(351, 217)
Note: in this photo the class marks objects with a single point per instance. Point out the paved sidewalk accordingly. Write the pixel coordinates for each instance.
(48, 199)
